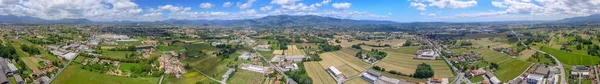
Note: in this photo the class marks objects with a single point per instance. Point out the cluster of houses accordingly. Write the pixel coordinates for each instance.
(375, 77)
(465, 57)
(507, 51)
(426, 54)
(171, 64)
(367, 58)
(538, 74)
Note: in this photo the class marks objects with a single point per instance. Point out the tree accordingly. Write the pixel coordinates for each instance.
(494, 66)
(356, 47)
(423, 71)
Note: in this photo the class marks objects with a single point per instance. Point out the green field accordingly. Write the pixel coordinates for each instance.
(169, 48)
(477, 79)
(116, 54)
(401, 60)
(509, 67)
(571, 58)
(73, 74)
(245, 77)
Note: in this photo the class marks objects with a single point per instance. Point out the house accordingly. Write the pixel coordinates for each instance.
(492, 78)
(535, 79)
(288, 65)
(516, 81)
(227, 74)
(542, 71)
(335, 72)
(436, 80)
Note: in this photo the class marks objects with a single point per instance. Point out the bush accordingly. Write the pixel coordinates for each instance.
(423, 71)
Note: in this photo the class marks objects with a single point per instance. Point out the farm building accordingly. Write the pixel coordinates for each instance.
(580, 70)
(70, 56)
(288, 65)
(18, 79)
(246, 56)
(256, 68)
(263, 47)
(294, 58)
(335, 72)
(542, 71)
(227, 74)
(437, 80)
(426, 54)
(368, 77)
(492, 78)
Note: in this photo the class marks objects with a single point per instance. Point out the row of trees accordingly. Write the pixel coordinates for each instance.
(30, 49)
(128, 48)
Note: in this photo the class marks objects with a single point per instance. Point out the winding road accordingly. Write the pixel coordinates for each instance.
(562, 70)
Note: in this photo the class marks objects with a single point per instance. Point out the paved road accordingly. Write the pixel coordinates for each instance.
(459, 75)
(562, 69)
(596, 71)
(276, 68)
(59, 71)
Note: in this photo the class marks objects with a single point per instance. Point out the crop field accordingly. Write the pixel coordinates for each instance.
(484, 42)
(346, 43)
(293, 50)
(345, 60)
(357, 81)
(404, 63)
(394, 42)
(31, 62)
(571, 58)
(509, 67)
(116, 54)
(318, 74)
(73, 74)
(245, 77)
(525, 54)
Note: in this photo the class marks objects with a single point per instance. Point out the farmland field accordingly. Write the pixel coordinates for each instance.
(116, 54)
(318, 74)
(345, 60)
(73, 74)
(31, 62)
(357, 81)
(293, 50)
(525, 54)
(509, 67)
(571, 58)
(404, 63)
(484, 42)
(245, 77)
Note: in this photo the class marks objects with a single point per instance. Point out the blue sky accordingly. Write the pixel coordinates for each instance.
(394, 10)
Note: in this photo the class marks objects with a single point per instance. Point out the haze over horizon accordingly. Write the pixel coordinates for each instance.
(392, 10)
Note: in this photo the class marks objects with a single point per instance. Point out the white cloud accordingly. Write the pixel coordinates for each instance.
(283, 2)
(266, 8)
(431, 15)
(344, 5)
(453, 4)
(389, 13)
(8, 2)
(498, 4)
(206, 5)
(419, 6)
(227, 4)
(246, 5)
(536, 10)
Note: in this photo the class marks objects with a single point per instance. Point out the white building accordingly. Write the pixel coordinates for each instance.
(256, 68)
(245, 56)
(368, 77)
(427, 54)
(295, 58)
(70, 56)
(535, 79)
(337, 73)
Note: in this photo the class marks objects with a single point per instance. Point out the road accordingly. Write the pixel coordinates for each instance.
(290, 81)
(59, 71)
(459, 75)
(561, 68)
(596, 71)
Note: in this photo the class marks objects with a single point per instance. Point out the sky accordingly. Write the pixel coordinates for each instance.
(392, 10)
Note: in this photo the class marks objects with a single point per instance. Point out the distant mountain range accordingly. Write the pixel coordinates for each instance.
(587, 19)
(268, 21)
(278, 20)
(12, 19)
